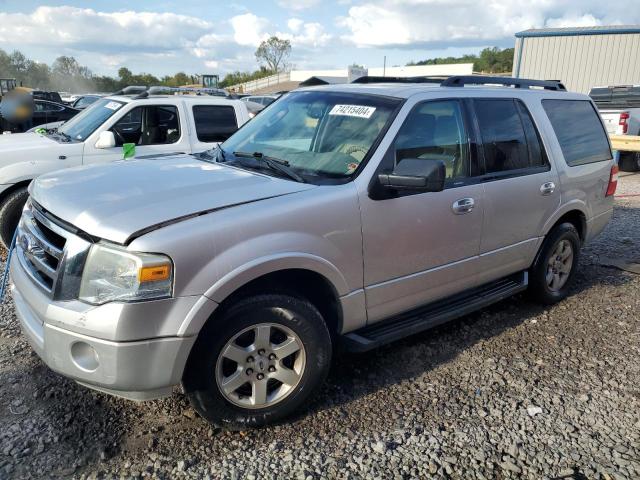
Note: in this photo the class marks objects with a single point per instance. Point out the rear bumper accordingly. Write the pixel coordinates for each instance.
(138, 370)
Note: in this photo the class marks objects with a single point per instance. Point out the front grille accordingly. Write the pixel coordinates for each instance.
(48, 252)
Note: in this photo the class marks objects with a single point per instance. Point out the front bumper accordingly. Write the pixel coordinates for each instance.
(140, 370)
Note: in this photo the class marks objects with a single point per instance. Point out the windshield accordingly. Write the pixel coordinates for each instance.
(322, 134)
(87, 121)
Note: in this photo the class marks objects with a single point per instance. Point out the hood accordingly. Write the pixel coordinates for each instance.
(121, 200)
(19, 143)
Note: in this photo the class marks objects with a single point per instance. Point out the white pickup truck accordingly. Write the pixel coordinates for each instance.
(156, 124)
(620, 110)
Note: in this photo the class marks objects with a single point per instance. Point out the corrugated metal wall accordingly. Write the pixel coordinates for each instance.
(580, 61)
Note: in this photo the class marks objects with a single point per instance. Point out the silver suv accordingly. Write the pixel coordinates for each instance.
(341, 215)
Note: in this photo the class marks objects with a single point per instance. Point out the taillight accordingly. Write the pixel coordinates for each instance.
(624, 122)
(613, 181)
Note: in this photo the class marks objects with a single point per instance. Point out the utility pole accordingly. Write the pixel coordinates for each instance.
(384, 67)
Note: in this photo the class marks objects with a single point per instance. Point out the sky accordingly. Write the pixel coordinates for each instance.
(164, 37)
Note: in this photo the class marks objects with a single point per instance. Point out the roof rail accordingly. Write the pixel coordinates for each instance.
(131, 90)
(139, 92)
(378, 79)
(462, 80)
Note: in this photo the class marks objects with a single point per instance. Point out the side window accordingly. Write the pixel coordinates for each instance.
(148, 125)
(436, 131)
(537, 155)
(579, 131)
(214, 123)
(129, 127)
(503, 138)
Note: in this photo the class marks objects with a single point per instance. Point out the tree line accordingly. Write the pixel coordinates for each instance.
(66, 73)
(490, 60)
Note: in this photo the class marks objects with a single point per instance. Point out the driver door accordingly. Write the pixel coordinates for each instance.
(154, 129)
(419, 247)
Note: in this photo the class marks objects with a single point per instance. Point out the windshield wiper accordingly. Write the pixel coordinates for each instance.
(273, 163)
(66, 137)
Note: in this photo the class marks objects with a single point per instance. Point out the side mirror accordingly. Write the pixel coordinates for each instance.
(415, 174)
(106, 140)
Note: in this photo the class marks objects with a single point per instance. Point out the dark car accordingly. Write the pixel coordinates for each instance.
(45, 111)
(84, 101)
(49, 96)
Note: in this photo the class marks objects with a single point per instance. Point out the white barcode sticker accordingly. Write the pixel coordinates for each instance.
(360, 111)
(113, 105)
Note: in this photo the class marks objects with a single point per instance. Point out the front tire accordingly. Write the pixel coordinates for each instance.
(554, 269)
(258, 361)
(10, 213)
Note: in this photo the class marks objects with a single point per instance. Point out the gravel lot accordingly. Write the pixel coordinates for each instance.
(513, 391)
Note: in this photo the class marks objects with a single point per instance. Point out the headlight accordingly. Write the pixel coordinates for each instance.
(111, 274)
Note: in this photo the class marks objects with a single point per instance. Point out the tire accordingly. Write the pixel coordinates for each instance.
(552, 266)
(630, 162)
(10, 212)
(210, 364)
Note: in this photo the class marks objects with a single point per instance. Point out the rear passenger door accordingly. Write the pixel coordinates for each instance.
(521, 188)
(213, 125)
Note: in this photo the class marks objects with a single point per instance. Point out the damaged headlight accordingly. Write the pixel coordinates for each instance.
(114, 274)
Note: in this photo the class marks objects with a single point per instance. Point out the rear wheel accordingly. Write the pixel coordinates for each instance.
(258, 362)
(552, 273)
(630, 161)
(10, 212)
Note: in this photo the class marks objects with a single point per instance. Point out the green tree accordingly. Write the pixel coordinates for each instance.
(274, 52)
(490, 60)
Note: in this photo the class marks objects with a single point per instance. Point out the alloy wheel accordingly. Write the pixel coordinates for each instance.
(559, 265)
(260, 366)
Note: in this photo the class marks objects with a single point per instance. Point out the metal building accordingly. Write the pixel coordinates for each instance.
(581, 57)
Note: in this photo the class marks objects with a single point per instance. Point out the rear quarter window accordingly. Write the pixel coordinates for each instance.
(214, 123)
(580, 133)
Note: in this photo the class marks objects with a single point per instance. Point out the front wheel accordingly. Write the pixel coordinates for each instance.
(554, 269)
(10, 213)
(258, 361)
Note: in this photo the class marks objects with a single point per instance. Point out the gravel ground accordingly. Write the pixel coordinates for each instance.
(513, 391)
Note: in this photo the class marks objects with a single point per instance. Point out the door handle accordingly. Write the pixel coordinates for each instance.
(462, 206)
(547, 188)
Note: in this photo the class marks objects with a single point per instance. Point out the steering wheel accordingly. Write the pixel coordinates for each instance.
(119, 135)
(359, 150)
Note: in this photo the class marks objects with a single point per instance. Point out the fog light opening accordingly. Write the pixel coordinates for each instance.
(84, 356)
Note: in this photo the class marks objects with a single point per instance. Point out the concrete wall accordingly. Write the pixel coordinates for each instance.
(580, 61)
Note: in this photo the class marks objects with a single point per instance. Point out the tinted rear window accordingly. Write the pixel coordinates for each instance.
(214, 123)
(579, 131)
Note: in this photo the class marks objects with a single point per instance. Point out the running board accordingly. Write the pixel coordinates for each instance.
(434, 314)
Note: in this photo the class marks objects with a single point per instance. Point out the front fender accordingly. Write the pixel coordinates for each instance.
(235, 279)
(244, 274)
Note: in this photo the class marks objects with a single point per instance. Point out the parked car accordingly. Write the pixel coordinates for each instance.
(45, 111)
(620, 109)
(155, 124)
(49, 96)
(353, 214)
(261, 99)
(254, 108)
(83, 101)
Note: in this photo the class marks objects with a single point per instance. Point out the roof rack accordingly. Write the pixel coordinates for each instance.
(131, 90)
(139, 92)
(462, 80)
(378, 79)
